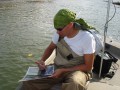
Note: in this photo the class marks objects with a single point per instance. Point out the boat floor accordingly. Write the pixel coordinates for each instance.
(105, 83)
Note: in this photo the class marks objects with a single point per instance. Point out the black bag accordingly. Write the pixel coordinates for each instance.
(107, 62)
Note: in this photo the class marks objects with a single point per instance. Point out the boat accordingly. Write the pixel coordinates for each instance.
(97, 83)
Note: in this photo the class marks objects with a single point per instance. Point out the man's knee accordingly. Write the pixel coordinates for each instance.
(77, 77)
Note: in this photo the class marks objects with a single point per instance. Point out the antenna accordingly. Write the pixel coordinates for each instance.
(105, 34)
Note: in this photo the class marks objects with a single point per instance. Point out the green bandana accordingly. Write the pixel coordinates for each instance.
(65, 16)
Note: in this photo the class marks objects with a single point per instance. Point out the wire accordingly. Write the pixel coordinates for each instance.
(113, 14)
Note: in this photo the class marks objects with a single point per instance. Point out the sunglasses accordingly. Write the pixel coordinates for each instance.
(59, 29)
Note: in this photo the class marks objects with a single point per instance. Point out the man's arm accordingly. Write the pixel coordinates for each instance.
(47, 53)
(87, 66)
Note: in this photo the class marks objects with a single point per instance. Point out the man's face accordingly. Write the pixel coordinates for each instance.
(65, 31)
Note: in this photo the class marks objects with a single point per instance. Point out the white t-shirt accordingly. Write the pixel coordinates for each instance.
(82, 43)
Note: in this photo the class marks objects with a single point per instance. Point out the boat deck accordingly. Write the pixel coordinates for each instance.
(105, 84)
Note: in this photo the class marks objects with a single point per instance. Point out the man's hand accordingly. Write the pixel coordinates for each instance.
(41, 64)
(57, 73)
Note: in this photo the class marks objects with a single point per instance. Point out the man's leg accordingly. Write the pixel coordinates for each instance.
(75, 81)
(39, 84)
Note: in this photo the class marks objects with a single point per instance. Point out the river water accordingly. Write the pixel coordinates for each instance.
(26, 28)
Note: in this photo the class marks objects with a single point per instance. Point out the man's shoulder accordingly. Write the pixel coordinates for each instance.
(55, 38)
(87, 34)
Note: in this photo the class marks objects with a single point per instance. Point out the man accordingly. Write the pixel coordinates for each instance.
(74, 58)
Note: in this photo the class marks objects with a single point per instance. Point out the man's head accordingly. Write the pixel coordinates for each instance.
(63, 18)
